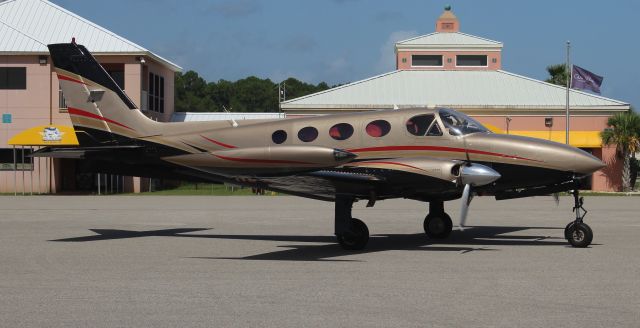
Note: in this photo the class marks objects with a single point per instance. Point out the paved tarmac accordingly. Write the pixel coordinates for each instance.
(167, 261)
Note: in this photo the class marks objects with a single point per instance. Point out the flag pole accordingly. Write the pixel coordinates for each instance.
(568, 72)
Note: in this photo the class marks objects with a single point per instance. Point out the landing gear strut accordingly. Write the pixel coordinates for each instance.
(437, 224)
(352, 233)
(578, 233)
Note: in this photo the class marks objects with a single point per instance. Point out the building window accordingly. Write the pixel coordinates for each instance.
(308, 134)
(279, 137)
(62, 104)
(378, 128)
(341, 131)
(7, 159)
(156, 93)
(426, 60)
(13, 78)
(116, 71)
(471, 60)
(447, 26)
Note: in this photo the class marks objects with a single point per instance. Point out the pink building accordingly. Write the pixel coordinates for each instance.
(449, 68)
(29, 93)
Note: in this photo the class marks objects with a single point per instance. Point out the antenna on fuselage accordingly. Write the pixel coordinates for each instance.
(233, 122)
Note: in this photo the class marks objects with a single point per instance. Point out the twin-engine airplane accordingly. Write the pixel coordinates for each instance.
(429, 155)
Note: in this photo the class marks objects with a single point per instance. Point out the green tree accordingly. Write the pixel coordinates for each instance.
(558, 74)
(623, 130)
(251, 94)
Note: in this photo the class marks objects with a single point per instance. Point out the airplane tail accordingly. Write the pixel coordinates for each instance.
(100, 111)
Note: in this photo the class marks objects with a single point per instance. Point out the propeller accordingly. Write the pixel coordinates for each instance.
(472, 175)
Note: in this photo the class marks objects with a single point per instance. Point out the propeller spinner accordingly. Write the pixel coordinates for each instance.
(473, 175)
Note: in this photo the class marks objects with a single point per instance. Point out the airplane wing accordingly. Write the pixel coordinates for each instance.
(415, 178)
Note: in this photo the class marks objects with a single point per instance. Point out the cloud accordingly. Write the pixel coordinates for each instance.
(300, 43)
(237, 8)
(387, 59)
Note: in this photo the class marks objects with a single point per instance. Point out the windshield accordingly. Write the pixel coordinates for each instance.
(460, 124)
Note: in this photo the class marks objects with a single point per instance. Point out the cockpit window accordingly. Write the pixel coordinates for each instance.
(419, 125)
(460, 124)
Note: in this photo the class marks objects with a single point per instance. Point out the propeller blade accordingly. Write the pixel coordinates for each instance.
(466, 200)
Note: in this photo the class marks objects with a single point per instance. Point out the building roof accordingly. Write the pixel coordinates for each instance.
(27, 26)
(457, 89)
(437, 40)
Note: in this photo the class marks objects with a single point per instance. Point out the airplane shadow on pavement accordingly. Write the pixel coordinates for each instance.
(325, 248)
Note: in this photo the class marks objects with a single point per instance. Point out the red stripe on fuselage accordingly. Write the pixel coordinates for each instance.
(263, 161)
(393, 163)
(64, 77)
(437, 148)
(218, 142)
(80, 112)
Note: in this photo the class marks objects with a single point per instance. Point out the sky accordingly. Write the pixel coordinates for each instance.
(340, 41)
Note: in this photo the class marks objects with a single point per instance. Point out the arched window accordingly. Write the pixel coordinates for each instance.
(308, 134)
(418, 125)
(279, 137)
(378, 128)
(341, 131)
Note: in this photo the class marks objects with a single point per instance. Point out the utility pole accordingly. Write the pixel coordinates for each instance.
(568, 75)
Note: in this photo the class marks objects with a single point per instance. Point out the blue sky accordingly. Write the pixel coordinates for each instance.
(340, 41)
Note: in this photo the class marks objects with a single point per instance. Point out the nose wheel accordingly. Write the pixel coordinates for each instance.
(578, 233)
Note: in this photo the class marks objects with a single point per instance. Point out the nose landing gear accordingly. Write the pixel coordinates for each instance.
(578, 233)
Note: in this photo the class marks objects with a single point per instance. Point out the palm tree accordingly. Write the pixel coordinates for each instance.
(624, 131)
(558, 74)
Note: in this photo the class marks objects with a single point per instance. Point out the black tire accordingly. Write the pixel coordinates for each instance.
(580, 236)
(356, 238)
(567, 231)
(438, 226)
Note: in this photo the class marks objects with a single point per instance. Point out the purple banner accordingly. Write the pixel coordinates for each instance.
(585, 80)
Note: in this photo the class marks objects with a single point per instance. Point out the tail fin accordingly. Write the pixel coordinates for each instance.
(96, 104)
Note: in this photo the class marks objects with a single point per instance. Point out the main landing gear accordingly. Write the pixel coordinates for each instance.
(352, 233)
(437, 224)
(578, 233)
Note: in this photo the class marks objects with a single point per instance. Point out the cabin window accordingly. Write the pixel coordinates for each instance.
(419, 125)
(308, 134)
(435, 130)
(341, 131)
(279, 137)
(378, 128)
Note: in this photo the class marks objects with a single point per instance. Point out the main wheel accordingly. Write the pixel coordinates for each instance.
(356, 238)
(437, 226)
(568, 231)
(580, 236)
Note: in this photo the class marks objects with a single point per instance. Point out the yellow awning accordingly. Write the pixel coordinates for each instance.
(46, 135)
(580, 139)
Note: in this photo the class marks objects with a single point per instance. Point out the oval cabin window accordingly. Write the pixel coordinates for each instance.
(279, 137)
(341, 131)
(308, 134)
(378, 128)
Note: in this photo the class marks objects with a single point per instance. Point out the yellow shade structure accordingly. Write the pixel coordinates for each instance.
(46, 135)
(580, 139)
